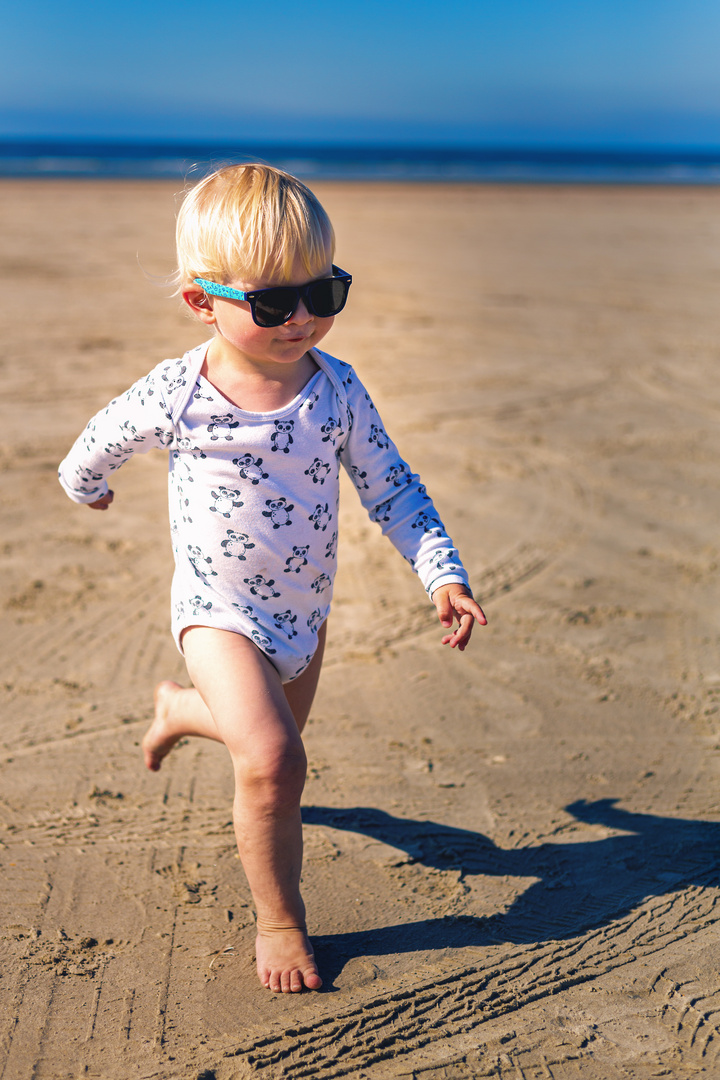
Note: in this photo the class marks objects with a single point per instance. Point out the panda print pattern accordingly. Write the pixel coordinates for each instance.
(254, 530)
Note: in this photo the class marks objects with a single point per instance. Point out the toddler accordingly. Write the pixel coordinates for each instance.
(256, 423)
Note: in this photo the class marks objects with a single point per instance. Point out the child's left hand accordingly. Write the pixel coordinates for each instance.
(455, 602)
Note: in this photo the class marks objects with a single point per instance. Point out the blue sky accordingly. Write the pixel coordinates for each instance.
(468, 72)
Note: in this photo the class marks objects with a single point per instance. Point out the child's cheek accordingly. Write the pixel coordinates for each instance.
(322, 327)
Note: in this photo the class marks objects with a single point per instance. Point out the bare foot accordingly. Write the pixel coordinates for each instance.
(161, 736)
(286, 962)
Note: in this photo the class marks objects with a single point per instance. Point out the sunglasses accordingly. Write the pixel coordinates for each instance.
(273, 307)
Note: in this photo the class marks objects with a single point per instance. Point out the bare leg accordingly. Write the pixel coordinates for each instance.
(245, 707)
(300, 693)
(181, 712)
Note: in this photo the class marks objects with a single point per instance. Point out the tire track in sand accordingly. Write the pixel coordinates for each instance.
(410, 1018)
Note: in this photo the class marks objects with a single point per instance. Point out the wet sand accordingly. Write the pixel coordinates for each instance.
(511, 854)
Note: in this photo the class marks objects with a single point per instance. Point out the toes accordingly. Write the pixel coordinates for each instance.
(301, 971)
(153, 760)
(291, 982)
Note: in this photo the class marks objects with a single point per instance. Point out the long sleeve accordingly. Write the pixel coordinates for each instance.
(394, 496)
(135, 422)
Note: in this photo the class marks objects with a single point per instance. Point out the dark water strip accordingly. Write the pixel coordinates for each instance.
(191, 160)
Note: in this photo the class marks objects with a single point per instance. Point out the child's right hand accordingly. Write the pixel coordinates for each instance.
(103, 503)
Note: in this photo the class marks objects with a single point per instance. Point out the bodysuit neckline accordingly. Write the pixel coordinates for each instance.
(275, 414)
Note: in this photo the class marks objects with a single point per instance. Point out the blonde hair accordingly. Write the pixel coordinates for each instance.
(251, 222)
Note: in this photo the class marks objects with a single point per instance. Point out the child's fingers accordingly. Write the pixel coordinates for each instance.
(445, 610)
(463, 608)
(461, 635)
(455, 602)
(466, 605)
(103, 502)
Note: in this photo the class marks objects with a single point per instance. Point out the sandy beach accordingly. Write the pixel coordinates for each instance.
(511, 864)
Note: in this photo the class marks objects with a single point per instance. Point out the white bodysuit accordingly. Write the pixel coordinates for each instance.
(254, 497)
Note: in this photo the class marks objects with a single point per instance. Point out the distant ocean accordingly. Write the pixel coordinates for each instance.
(178, 161)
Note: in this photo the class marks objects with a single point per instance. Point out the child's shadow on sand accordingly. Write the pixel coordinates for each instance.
(581, 885)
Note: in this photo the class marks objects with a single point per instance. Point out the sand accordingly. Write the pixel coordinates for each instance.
(511, 854)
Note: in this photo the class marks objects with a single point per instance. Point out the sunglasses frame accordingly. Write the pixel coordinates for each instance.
(302, 292)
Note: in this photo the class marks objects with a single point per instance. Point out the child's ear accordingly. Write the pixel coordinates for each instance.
(199, 303)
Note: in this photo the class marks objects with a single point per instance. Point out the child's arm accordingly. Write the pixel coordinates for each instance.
(134, 422)
(394, 497)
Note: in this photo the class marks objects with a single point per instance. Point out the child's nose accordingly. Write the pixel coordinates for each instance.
(301, 314)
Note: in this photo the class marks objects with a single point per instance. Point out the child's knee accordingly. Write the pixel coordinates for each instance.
(274, 774)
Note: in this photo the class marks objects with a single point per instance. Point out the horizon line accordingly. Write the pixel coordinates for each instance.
(559, 146)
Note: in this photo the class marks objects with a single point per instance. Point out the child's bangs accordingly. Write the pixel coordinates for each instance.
(286, 237)
(253, 224)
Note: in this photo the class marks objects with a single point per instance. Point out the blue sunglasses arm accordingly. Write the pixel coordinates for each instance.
(214, 289)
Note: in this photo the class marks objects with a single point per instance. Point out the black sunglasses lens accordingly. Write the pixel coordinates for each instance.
(275, 306)
(328, 297)
(325, 298)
